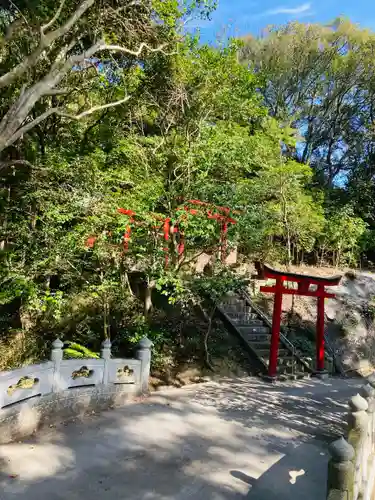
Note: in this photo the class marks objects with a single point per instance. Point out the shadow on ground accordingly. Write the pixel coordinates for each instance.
(234, 440)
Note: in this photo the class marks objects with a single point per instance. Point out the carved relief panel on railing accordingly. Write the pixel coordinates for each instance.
(25, 383)
(80, 372)
(124, 371)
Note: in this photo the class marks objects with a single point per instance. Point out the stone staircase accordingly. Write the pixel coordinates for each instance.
(244, 319)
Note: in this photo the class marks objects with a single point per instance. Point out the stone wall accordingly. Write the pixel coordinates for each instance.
(351, 469)
(61, 389)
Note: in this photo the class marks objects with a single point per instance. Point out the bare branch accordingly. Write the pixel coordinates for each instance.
(54, 19)
(82, 57)
(19, 12)
(61, 56)
(14, 123)
(30, 125)
(138, 52)
(92, 110)
(19, 133)
(45, 41)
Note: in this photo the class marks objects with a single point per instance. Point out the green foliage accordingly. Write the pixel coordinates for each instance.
(198, 124)
(343, 237)
(320, 79)
(77, 351)
(216, 286)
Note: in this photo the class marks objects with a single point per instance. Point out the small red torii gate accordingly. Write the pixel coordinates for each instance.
(218, 213)
(304, 282)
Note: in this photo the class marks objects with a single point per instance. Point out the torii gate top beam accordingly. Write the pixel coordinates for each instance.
(265, 271)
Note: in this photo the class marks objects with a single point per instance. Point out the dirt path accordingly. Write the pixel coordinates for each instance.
(237, 439)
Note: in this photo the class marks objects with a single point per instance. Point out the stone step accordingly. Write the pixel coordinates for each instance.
(282, 377)
(240, 307)
(259, 345)
(232, 299)
(292, 376)
(250, 330)
(244, 321)
(257, 337)
(265, 352)
(240, 313)
(287, 361)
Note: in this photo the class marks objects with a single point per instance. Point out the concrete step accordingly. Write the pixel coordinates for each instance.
(250, 330)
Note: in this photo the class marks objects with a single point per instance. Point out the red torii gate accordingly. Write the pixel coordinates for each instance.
(218, 213)
(304, 282)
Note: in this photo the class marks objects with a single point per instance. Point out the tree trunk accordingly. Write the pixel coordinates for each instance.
(209, 318)
(148, 306)
(286, 225)
(206, 352)
(105, 319)
(5, 222)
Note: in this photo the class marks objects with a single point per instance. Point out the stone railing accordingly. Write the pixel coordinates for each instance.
(351, 469)
(62, 388)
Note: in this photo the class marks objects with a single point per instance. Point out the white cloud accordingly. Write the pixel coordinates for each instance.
(300, 9)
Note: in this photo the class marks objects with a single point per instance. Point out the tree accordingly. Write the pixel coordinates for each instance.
(62, 229)
(41, 47)
(91, 207)
(320, 79)
(342, 237)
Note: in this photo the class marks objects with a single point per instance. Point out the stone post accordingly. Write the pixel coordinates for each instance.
(105, 354)
(371, 379)
(144, 355)
(358, 425)
(340, 471)
(368, 393)
(56, 358)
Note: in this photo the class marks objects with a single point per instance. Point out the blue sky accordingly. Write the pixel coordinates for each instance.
(238, 17)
